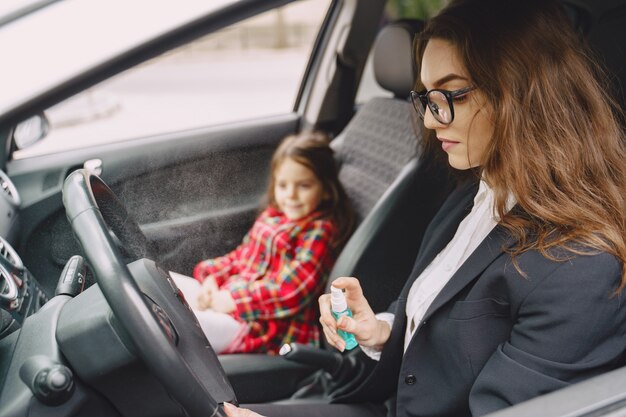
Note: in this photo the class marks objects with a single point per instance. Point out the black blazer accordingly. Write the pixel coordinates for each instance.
(494, 337)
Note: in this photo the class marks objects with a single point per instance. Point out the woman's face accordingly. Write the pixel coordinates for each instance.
(466, 138)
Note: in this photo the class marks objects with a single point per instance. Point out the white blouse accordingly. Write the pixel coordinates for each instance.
(471, 232)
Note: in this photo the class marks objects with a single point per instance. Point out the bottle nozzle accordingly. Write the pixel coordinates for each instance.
(337, 299)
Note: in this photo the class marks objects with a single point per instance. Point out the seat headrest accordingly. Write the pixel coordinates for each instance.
(394, 64)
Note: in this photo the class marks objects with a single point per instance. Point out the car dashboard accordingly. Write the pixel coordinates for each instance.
(20, 293)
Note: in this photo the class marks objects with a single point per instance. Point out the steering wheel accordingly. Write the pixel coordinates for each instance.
(158, 322)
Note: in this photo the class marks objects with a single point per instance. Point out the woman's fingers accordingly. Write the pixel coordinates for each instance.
(353, 293)
(363, 323)
(348, 324)
(329, 324)
(325, 315)
(332, 337)
(351, 285)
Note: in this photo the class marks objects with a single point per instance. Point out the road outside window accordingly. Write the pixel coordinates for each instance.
(249, 70)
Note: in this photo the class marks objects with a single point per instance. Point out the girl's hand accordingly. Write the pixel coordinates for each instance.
(207, 291)
(232, 411)
(223, 302)
(366, 328)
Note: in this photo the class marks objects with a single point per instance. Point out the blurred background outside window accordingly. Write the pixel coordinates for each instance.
(394, 10)
(251, 69)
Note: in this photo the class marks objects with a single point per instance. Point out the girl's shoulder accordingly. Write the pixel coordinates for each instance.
(315, 221)
(270, 212)
(318, 221)
(271, 216)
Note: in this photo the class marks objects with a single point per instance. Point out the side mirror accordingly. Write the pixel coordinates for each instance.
(31, 131)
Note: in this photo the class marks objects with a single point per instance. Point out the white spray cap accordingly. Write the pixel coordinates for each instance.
(337, 300)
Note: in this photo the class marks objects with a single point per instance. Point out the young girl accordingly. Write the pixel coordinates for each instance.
(262, 294)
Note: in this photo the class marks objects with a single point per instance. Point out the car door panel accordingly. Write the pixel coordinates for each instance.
(194, 193)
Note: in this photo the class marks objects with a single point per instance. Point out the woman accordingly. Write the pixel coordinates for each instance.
(522, 296)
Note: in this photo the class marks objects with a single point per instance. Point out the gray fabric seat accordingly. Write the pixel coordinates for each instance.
(381, 137)
(388, 181)
(377, 143)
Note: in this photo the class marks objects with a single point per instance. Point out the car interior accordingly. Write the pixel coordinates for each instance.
(383, 173)
(91, 322)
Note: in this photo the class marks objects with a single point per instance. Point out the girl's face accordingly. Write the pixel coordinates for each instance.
(297, 191)
(466, 138)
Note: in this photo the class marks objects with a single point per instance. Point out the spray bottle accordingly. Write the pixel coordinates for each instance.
(339, 308)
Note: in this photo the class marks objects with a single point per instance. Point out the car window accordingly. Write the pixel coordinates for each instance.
(13, 9)
(394, 10)
(248, 70)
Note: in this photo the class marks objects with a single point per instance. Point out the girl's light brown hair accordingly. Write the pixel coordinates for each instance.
(312, 150)
(558, 145)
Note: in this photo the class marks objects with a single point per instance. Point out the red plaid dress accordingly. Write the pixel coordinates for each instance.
(275, 277)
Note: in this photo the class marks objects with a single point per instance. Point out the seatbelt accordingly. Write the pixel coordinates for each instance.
(346, 92)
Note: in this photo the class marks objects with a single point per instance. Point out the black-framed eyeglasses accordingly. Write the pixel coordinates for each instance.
(440, 102)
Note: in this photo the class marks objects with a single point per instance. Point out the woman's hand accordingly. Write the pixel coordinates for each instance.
(232, 411)
(366, 328)
(205, 298)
